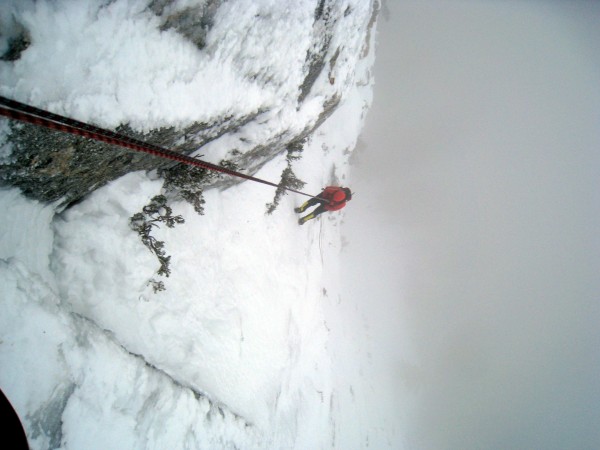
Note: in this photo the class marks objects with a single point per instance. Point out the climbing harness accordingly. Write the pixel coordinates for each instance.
(32, 115)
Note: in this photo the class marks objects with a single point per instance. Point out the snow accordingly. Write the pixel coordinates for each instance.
(112, 64)
(251, 344)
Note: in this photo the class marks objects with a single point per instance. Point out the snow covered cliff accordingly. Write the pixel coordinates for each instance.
(242, 348)
(234, 80)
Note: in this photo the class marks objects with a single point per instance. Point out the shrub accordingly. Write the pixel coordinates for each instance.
(289, 180)
(153, 214)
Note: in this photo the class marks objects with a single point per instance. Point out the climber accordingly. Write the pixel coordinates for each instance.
(332, 198)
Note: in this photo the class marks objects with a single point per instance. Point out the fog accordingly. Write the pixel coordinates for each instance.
(474, 233)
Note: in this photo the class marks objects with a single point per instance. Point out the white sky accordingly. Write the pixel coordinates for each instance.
(474, 231)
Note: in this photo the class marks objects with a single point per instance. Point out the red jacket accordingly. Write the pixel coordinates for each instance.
(335, 196)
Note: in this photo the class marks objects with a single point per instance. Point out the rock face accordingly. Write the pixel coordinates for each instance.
(52, 166)
(193, 22)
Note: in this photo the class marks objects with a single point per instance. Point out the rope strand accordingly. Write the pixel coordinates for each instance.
(32, 115)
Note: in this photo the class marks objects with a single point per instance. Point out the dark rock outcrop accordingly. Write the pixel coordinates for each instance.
(192, 22)
(52, 166)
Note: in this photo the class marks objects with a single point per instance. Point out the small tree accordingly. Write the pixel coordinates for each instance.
(157, 286)
(153, 214)
(289, 180)
(187, 182)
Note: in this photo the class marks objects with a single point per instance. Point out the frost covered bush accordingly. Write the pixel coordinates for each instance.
(181, 181)
(153, 214)
(288, 177)
(187, 182)
(288, 180)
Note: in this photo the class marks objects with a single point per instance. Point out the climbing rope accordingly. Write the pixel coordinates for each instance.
(32, 115)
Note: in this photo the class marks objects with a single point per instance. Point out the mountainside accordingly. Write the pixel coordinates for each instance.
(237, 80)
(246, 345)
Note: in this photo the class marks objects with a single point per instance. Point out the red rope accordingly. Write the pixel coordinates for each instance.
(29, 114)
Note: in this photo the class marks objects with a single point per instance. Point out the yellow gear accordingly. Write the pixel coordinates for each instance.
(302, 207)
(306, 218)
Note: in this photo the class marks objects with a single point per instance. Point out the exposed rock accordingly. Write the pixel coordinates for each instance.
(316, 56)
(193, 22)
(254, 159)
(51, 166)
(56, 167)
(14, 39)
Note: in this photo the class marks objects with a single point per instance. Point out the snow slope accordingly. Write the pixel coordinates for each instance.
(244, 348)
